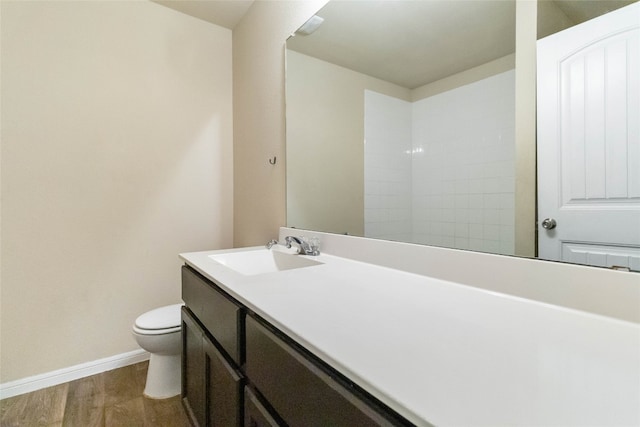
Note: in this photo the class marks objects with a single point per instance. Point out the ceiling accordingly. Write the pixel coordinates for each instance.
(226, 13)
(408, 42)
(582, 10)
(411, 43)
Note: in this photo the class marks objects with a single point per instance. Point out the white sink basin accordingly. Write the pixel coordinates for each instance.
(261, 261)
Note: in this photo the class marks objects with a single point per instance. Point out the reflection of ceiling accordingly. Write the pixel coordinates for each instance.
(556, 15)
(388, 38)
(582, 10)
(412, 43)
(226, 13)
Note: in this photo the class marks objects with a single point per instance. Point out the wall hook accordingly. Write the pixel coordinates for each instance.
(272, 161)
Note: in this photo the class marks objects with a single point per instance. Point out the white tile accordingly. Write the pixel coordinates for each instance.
(476, 231)
(476, 216)
(505, 185)
(476, 244)
(448, 201)
(507, 234)
(491, 216)
(477, 186)
(448, 136)
(507, 200)
(492, 232)
(476, 201)
(492, 201)
(462, 215)
(462, 230)
(462, 201)
(490, 246)
(507, 217)
(449, 215)
(462, 186)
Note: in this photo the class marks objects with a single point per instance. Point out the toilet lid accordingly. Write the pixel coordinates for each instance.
(160, 318)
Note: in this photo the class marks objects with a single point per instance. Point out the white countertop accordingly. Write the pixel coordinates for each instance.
(448, 354)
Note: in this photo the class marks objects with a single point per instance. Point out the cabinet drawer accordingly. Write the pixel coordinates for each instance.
(299, 391)
(222, 317)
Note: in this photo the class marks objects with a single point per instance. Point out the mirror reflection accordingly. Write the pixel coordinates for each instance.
(400, 120)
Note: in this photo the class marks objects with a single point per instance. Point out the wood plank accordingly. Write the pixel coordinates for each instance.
(165, 413)
(11, 410)
(111, 398)
(125, 413)
(121, 385)
(40, 408)
(85, 402)
(141, 372)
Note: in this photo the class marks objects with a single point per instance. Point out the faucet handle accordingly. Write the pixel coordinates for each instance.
(306, 245)
(271, 243)
(313, 245)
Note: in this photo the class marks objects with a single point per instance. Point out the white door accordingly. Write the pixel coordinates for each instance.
(589, 142)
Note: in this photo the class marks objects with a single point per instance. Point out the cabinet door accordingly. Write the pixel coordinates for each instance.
(193, 369)
(299, 390)
(255, 414)
(224, 389)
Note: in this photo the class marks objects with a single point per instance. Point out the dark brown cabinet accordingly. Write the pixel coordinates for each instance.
(212, 383)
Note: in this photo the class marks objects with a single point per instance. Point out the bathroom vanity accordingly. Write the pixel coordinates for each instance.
(237, 365)
(333, 340)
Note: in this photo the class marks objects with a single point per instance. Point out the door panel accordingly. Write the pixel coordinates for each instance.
(589, 141)
(601, 256)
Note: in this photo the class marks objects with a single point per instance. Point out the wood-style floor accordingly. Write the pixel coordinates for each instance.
(109, 399)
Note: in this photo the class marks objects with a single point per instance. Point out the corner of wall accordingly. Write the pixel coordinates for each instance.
(259, 116)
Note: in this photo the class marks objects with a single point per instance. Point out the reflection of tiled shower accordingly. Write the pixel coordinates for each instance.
(440, 171)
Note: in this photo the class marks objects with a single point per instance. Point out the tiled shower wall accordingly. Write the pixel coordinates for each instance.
(459, 151)
(387, 168)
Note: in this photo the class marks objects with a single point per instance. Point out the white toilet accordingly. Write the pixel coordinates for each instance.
(159, 332)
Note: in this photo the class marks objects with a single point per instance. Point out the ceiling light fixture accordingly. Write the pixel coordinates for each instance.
(310, 26)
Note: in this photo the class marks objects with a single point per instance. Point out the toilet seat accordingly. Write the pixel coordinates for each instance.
(160, 321)
(156, 331)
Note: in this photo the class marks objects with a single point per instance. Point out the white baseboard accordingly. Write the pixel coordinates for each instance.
(60, 376)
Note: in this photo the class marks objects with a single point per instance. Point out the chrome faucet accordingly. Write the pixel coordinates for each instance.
(304, 248)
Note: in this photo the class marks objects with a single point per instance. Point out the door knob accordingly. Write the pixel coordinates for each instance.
(549, 224)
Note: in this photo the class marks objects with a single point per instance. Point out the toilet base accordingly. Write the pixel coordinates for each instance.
(163, 376)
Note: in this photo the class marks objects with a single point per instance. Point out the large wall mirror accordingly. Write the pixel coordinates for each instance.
(401, 120)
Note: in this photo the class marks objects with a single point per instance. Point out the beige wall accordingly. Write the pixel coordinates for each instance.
(325, 116)
(258, 111)
(116, 156)
(525, 218)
